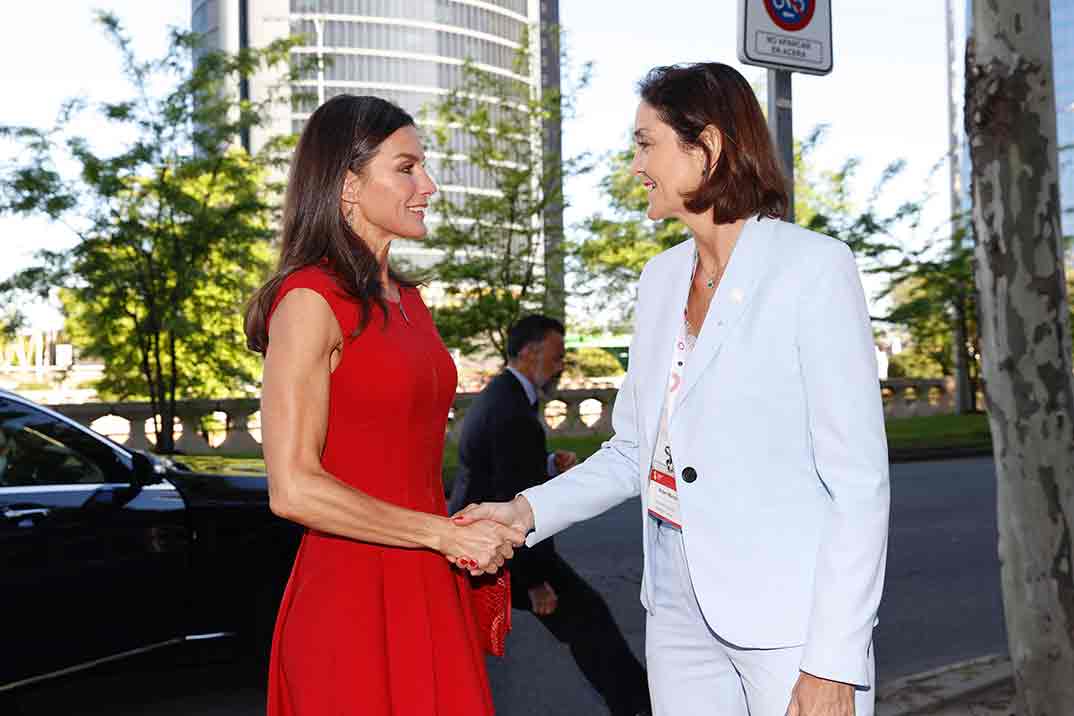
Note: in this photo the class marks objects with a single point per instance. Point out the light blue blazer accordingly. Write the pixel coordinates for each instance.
(780, 417)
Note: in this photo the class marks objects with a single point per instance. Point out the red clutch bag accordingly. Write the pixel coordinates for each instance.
(492, 609)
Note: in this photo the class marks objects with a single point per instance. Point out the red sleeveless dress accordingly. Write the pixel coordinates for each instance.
(364, 628)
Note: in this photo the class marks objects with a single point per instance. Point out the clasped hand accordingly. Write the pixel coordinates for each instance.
(480, 546)
(497, 528)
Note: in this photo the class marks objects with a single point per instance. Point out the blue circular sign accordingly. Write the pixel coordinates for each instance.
(791, 15)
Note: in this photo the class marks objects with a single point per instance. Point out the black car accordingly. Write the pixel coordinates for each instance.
(108, 554)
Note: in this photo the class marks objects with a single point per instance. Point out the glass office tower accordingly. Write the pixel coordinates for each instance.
(407, 51)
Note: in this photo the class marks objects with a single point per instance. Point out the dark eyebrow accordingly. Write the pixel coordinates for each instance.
(411, 157)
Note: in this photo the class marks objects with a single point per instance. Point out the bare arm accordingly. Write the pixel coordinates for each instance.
(305, 344)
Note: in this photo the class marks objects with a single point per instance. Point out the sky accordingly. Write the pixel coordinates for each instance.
(885, 99)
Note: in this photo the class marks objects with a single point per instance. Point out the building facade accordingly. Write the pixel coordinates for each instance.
(408, 51)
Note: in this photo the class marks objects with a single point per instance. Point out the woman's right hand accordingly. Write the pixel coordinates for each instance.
(480, 547)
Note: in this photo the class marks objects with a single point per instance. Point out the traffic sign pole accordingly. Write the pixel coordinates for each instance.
(782, 128)
(785, 36)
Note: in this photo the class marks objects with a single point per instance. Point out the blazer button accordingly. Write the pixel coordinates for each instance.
(689, 474)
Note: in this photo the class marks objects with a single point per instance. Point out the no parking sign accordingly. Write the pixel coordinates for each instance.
(793, 35)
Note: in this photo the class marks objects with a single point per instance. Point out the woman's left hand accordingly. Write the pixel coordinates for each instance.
(480, 546)
(814, 696)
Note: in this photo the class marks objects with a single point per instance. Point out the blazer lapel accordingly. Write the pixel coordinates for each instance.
(733, 296)
(664, 319)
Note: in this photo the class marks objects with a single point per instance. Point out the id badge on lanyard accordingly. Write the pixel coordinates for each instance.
(663, 494)
(663, 498)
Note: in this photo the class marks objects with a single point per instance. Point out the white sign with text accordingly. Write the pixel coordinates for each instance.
(794, 35)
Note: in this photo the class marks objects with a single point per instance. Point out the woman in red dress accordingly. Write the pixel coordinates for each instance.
(356, 391)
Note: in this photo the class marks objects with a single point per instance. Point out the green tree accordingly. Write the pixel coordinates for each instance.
(929, 284)
(491, 243)
(930, 288)
(171, 231)
(933, 297)
(591, 363)
(611, 248)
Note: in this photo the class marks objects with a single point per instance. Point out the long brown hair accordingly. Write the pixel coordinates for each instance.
(746, 179)
(342, 135)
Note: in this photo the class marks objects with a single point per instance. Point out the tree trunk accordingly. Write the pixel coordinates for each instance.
(964, 395)
(1025, 336)
(166, 434)
(165, 408)
(173, 381)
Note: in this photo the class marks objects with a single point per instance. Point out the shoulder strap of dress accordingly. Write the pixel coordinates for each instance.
(317, 279)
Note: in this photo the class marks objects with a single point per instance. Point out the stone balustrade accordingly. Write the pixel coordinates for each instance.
(570, 413)
(233, 427)
(912, 397)
(203, 427)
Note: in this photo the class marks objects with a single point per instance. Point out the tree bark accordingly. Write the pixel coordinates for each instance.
(1025, 338)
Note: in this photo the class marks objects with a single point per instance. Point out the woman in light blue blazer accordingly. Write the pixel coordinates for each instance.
(749, 423)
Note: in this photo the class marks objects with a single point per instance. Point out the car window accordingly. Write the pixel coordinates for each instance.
(38, 449)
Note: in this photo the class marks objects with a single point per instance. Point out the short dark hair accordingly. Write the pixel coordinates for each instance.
(746, 179)
(531, 329)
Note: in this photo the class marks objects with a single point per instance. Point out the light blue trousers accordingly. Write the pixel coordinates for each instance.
(692, 672)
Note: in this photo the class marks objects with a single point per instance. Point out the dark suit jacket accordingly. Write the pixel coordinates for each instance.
(502, 451)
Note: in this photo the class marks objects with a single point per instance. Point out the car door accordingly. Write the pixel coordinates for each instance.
(92, 564)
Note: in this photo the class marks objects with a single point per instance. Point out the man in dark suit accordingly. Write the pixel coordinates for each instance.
(502, 451)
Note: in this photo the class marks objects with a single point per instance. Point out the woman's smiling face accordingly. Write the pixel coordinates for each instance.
(666, 168)
(394, 189)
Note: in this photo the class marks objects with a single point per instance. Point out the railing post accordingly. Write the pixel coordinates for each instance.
(603, 426)
(191, 441)
(135, 414)
(572, 421)
(239, 441)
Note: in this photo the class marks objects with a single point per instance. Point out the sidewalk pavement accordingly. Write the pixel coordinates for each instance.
(978, 687)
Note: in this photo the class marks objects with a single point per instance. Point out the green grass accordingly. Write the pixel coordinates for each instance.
(583, 446)
(939, 431)
(933, 432)
(230, 465)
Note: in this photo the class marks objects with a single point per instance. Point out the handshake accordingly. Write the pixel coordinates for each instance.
(483, 536)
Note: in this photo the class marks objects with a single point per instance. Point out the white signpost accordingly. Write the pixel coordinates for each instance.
(785, 36)
(792, 35)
